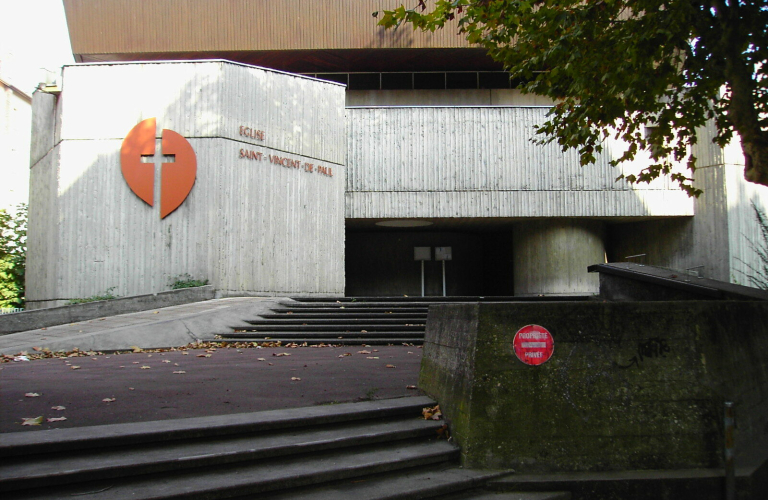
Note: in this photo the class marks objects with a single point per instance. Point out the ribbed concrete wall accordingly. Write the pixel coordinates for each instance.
(719, 242)
(480, 162)
(248, 226)
(551, 256)
(98, 27)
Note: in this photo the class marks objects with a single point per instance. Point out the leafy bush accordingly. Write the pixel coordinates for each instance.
(13, 256)
(186, 281)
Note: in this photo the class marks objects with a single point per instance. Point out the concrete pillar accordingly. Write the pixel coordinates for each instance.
(551, 256)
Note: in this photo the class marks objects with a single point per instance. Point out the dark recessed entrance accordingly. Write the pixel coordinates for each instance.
(381, 263)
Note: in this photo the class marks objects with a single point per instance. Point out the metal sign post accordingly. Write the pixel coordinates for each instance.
(422, 254)
(443, 254)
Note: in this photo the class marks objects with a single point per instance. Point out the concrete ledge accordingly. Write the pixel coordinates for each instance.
(111, 435)
(41, 318)
(630, 385)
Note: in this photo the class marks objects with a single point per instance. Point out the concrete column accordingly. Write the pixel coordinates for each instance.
(551, 256)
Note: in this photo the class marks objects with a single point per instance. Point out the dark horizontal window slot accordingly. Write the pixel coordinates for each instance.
(364, 81)
(496, 80)
(428, 81)
(396, 81)
(461, 80)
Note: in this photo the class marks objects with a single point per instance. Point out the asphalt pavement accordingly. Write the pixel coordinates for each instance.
(146, 386)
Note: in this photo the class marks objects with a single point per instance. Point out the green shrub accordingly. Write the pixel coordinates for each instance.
(13, 256)
(108, 295)
(186, 281)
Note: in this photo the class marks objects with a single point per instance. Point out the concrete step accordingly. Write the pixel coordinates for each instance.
(304, 308)
(517, 495)
(256, 478)
(69, 467)
(267, 335)
(329, 340)
(437, 299)
(336, 321)
(701, 484)
(346, 316)
(425, 482)
(352, 305)
(20, 444)
(344, 327)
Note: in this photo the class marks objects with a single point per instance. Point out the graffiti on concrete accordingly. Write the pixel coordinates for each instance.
(655, 347)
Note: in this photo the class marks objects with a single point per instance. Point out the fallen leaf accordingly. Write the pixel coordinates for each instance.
(443, 432)
(58, 408)
(411, 387)
(363, 352)
(179, 372)
(281, 354)
(156, 312)
(166, 361)
(75, 367)
(145, 367)
(185, 353)
(295, 378)
(390, 366)
(203, 355)
(149, 355)
(35, 348)
(433, 413)
(31, 395)
(175, 364)
(345, 354)
(32, 420)
(262, 359)
(108, 400)
(135, 362)
(371, 357)
(57, 419)
(135, 348)
(131, 389)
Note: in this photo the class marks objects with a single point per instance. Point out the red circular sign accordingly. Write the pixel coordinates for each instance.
(533, 345)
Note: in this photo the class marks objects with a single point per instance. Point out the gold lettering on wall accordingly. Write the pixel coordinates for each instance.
(283, 161)
(252, 133)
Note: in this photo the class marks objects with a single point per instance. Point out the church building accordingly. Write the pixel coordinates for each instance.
(287, 147)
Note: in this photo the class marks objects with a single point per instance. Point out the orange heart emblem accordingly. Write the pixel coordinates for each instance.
(177, 175)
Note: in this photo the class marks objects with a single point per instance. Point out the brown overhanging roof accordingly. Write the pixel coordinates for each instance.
(293, 35)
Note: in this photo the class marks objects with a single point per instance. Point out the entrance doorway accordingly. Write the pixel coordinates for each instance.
(382, 263)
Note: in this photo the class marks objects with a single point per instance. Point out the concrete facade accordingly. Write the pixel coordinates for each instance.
(430, 132)
(15, 124)
(258, 219)
(618, 393)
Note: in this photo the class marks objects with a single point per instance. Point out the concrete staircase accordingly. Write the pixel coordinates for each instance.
(372, 450)
(338, 321)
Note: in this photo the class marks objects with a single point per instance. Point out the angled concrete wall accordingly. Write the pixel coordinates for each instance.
(629, 386)
(249, 225)
(719, 242)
